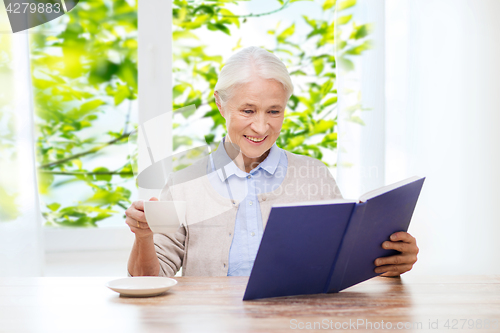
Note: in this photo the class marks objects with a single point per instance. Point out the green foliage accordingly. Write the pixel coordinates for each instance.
(310, 123)
(79, 73)
(9, 164)
(352, 41)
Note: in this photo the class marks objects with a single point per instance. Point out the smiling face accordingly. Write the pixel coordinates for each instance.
(254, 115)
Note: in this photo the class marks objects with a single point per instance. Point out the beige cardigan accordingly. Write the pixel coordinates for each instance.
(201, 246)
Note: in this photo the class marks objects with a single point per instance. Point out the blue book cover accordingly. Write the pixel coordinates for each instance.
(327, 246)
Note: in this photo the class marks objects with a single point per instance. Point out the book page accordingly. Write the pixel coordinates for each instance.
(313, 203)
(384, 189)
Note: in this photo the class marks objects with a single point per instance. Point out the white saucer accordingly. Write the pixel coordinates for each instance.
(141, 285)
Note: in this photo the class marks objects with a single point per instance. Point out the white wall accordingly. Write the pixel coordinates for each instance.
(442, 118)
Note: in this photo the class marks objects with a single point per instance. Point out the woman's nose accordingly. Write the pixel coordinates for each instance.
(259, 125)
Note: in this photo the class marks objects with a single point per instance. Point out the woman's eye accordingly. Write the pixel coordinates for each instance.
(248, 111)
(275, 112)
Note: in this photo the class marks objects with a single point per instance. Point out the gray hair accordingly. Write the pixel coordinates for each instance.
(248, 63)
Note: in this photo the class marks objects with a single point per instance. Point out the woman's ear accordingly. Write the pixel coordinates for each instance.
(219, 104)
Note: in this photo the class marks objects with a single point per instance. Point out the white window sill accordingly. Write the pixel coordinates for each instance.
(87, 239)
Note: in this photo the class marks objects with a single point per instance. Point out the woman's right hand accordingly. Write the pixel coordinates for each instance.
(136, 219)
(143, 260)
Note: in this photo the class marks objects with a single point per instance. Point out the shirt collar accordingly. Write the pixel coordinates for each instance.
(226, 167)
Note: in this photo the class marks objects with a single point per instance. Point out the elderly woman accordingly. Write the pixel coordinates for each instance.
(229, 193)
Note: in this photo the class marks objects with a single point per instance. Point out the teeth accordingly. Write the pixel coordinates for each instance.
(255, 139)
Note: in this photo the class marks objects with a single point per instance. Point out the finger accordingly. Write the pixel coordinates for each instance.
(136, 214)
(401, 247)
(136, 225)
(390, 274)
(396, 260)
(153, 199)
(133, 223)
(143, 226)
(402, 236)
(139, 205)
(393, 269)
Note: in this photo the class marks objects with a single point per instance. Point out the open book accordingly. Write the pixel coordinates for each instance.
(327, 246)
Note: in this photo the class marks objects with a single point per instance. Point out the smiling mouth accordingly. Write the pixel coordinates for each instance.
(254, 139)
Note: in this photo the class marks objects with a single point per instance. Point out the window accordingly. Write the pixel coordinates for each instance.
(86, 78)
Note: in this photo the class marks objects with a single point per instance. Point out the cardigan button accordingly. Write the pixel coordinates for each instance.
(264, 198)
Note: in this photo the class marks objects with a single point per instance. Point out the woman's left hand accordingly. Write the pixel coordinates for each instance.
(398, 264)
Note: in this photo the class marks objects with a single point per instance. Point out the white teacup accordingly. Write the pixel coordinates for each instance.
(165, 216)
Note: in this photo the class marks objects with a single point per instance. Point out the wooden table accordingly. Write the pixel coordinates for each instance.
(214, 305)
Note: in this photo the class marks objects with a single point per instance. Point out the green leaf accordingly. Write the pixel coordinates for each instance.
(204, 8)
(328, 4)
(344, 19)
(322, 126)
(78, 163)
(104, 198)
(326, 87)
(311, 22)
(318, 66)
(219, 26)
(121, 93)
(90, 106)
(128, 73)
(357, 50)
(233, 20)
(296, 141)
(362, 31)
(43, 84)
(125, 193)
(284, 51)
(44, 182)
(209, 138)
(179, 89)
(199, 21)
(346, 4)
(237, 46)
(286, 33)
(298, 72)
(106, 177)
(330, 101)
(54, 206)
(102, 70)
(127, 171)
(183, 34)
(329, 138)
